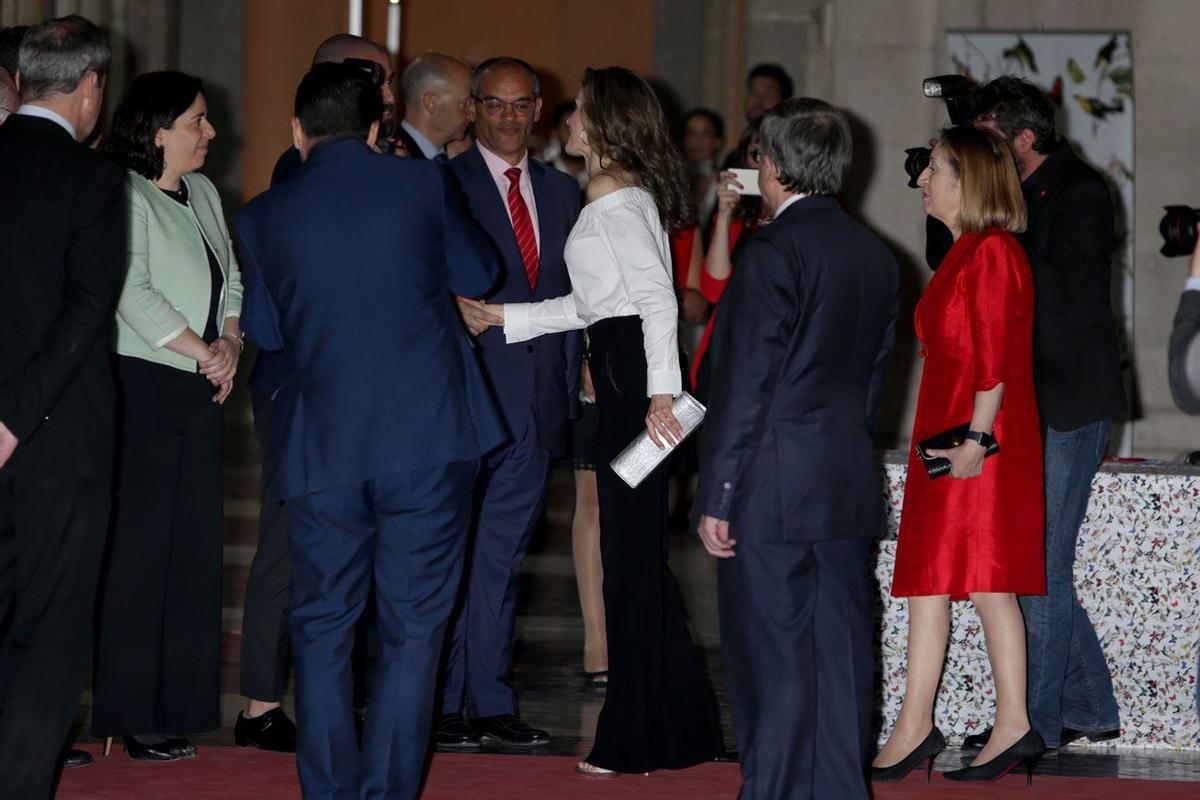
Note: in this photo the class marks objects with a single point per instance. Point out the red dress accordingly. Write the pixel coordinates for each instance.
(981, 534)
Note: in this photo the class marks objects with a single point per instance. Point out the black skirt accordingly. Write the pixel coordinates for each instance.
(659, 711)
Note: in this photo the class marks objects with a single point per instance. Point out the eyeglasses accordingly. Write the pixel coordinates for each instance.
(494, 106)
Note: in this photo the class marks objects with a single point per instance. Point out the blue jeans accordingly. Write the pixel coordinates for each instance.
(1069, 683)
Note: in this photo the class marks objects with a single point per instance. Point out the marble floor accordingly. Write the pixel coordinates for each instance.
(547, 663)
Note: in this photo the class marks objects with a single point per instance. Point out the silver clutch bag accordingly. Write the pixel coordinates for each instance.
(641, 457)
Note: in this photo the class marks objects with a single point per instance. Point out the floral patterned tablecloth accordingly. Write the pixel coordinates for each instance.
(1138, 575)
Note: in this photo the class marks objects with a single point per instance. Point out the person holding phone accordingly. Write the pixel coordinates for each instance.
(740, 213)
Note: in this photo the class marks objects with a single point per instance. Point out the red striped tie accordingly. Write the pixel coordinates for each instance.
(522, 226)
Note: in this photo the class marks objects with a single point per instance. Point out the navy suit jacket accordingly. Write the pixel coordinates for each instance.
(535, 382)
(801, 344)
(349, 269)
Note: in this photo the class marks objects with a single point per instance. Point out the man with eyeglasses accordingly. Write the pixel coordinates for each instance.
(437, 95)
(527, 209)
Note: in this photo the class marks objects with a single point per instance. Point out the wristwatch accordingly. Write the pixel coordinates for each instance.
(984, 440)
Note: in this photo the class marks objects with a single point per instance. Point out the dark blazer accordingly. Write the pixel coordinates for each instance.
(799, 354)
(348, 270)
(1184, 352)
(62, 234)
(539, 377)
(1069, 242)
(410, 144)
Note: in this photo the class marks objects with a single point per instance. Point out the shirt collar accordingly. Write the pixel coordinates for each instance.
(29, 110)
(498, 166)
(427, 147)
(789, 202)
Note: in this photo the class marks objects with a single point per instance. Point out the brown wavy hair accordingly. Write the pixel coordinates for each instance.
(626, 128)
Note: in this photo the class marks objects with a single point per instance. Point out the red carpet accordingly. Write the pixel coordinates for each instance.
(226, 773)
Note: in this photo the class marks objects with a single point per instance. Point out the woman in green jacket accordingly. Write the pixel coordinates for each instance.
(177, 342)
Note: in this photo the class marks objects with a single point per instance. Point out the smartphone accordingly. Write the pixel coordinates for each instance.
(748, 178)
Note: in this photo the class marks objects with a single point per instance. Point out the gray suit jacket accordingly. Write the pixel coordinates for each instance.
(1183, 356)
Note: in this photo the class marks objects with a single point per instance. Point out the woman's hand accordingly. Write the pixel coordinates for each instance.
(478, 316)
(585, 383)
(727, 196)
(966, 460)
(663, 427)
(222, 363)
(223, 392)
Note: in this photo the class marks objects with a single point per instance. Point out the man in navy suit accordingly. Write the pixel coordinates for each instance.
(527, 209)
(789, 489)
(379, 423)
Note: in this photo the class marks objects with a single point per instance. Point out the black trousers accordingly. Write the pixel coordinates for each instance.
(159, 633)
(52, 533)
(659, 711)
(265, 651)
(799, 652)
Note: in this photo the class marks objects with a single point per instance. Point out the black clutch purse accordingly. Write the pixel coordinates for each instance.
(939, 466)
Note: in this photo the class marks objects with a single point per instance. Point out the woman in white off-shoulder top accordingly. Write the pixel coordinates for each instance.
(659, 711)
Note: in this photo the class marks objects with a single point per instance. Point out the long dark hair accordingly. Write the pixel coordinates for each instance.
(626, 128)
(151, 101)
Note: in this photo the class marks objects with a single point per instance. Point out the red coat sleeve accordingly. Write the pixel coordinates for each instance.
(997, 287)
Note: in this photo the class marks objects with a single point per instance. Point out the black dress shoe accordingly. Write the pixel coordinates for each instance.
(926, 751)
(1025, 751)
(166, 750)
(977, 741)
(1069, 735)
(454, 732)
(271, 731)
(509, 730)
(73, 759)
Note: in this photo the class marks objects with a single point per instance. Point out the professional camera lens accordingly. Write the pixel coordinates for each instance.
(915, 162)
(1178, 229)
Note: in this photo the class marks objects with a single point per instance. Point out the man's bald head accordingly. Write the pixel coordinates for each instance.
(436, 88)
(341, 46)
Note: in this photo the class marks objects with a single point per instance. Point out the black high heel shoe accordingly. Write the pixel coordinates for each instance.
(167, 750)
(926, 751)
(1027, 751)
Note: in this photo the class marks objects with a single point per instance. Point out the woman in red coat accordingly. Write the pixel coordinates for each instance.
(977, 532)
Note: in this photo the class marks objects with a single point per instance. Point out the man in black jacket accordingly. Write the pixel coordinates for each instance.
(789, 494)
(1080, 391)
(62, 224)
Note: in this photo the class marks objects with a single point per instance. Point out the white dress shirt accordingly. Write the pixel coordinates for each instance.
(498, 166)
(1192, 284)
(619, 260)
(28, 110)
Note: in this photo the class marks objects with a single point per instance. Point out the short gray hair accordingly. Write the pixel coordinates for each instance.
(505, 61)
(56, 55)
(809, 142)
(426, 71)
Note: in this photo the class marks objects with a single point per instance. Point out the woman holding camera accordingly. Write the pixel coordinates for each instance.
(659, 712)
(977, 532)
(177, 341)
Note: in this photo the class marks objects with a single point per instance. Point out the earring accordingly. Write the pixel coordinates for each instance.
(583, 137)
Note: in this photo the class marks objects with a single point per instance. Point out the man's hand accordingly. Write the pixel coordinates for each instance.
(8, 443)
(474, 315)
(714, 534)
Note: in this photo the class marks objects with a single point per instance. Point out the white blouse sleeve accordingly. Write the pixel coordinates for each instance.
(525, 321)
(634, 243)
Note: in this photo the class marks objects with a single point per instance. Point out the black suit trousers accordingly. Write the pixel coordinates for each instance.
(52, 533)
(797, 636)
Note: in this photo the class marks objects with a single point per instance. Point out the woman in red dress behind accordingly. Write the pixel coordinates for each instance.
(977, 532)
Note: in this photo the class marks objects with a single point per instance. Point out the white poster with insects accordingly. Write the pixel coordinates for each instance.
(1089, 78)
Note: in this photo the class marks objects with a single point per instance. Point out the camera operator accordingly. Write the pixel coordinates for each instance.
(1183, 356)
(1077, 373)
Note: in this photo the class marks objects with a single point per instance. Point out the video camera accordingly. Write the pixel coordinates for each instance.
(956, 91)
(1178, 229)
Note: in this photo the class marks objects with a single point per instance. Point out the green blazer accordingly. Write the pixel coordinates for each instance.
(167, 284)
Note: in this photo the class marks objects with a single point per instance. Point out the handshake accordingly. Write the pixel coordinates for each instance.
(478, 316)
